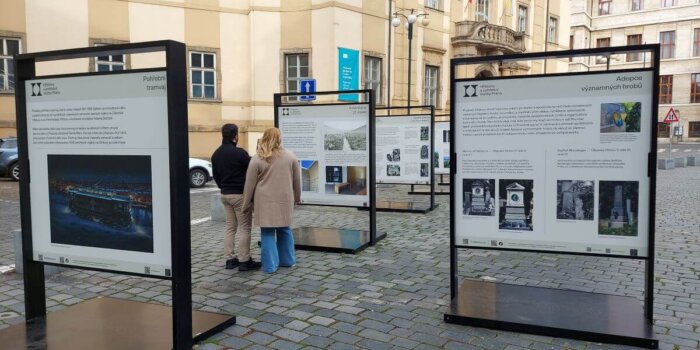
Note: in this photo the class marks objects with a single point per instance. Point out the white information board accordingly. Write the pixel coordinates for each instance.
(332, 145)
(441, 157)
(554, 163)
(100, 183)
(403, 149)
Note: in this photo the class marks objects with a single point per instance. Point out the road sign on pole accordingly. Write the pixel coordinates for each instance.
(671, 116)
(307, 85)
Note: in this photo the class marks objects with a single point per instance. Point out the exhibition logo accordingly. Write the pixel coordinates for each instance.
(470, 90)
(36, 89)
(285, 111)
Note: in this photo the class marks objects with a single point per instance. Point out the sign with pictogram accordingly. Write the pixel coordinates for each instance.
(671, 116)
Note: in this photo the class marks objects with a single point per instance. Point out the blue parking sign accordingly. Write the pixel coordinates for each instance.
(307, 85)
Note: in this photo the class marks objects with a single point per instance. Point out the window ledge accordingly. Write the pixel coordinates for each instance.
(204, 100)
(7, 92)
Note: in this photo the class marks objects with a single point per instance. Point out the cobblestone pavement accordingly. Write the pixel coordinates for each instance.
(393, 295)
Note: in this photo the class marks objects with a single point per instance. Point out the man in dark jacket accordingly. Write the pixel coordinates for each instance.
(230, 165)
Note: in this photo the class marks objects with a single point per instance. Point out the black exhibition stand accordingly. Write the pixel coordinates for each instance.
(336, 240)
(545, 311)
(399, 206)
(106, 323)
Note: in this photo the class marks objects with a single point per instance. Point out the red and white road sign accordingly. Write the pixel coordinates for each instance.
(671, 116)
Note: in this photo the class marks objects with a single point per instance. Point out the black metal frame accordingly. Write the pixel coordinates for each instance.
(651, 159)
(432, 150)
(175, 69)
(370, 102)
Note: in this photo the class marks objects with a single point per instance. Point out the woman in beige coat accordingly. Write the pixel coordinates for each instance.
(273, 185)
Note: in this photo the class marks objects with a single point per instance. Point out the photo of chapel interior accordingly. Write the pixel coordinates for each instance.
(346, 180)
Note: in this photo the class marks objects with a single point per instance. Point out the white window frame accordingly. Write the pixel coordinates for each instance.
(203, 70)
(433, 4)
(431, 85)
(668, 3)
(298, 77)
(373, 77)
(672, 44)
(6, 61)
(482, 10)
(110, 62)
(641, 5)
(553, 29)
(608, 6)
(522, 20)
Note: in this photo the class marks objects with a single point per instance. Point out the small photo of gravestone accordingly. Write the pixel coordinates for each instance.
(478, 197)
(620, 117)
(575, 199)
(516, 204)
(618, 203)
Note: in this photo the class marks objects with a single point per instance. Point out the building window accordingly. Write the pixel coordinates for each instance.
(202, 75)
(602, 42)
(635, 39)
(662, 130)
(297, 68)
(109, 63)
(482, 10)
(668, 3)
(553, 30)
(8, 48)
(604, 7)
(431, 85)
(695, 88)
(665, 89)
(373, 76)
(433, 4)
(694, 129)
(668, 44)
(637, 5)
(696, 42)
(522, 18)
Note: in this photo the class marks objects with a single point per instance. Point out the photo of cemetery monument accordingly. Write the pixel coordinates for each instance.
(393, 170)
(436, 159)
(309, 175)
(394, 156)
(424, 133)
(446, 161)
(618, 203)
(345, 136)
(424, 170)
(516, 204)
(478, 197)
(575, 199)
(101, 201)
(620, 117)
(424, 152)
(346, 180)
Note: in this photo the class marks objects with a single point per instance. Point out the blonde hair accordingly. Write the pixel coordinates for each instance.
(270, 144)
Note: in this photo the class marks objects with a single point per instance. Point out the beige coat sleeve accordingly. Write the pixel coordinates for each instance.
(296, 181)
(251, 180)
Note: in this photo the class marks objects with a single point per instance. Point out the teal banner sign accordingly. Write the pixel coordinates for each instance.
(348, 73)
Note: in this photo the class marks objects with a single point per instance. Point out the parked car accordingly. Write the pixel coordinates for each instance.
(200, 172)
(9, 166)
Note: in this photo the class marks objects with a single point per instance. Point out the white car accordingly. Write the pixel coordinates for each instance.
(200, 172)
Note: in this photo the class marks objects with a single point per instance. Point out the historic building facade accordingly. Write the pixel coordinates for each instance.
(675, 24)
(240, 52)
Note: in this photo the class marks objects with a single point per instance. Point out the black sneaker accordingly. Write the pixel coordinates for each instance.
(249, 265)
(232, 264)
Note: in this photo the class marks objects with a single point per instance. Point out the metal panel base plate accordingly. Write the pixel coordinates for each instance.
(332, 239)
(108, 323)
(552, 312)
(402, 207)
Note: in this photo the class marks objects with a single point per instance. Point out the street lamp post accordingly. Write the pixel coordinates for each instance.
(410, 20)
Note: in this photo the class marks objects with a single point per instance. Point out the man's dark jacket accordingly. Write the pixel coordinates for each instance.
(230, 164)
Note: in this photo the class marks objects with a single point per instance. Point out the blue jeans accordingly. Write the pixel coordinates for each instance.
(277, 248)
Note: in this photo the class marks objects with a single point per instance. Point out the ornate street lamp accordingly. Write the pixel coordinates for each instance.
(411, 18)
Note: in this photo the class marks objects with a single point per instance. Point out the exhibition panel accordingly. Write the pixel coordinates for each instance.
(403, 149)
(104, 158)
(554, 163)
(334, 142)
(441, 159)
(574, 162)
